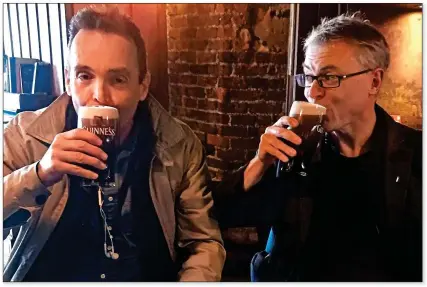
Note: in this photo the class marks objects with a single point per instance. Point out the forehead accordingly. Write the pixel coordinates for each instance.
(98, 49)
(339, 54)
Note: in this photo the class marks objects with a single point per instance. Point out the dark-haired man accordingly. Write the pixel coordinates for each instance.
(159, 212)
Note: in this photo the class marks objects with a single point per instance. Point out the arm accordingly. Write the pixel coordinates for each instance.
(23, 191)
(197, 231)
(30, 166)
(253, 196)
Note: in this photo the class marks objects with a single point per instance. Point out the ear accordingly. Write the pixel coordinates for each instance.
(144, 86)
(67, 82)
(376, 81)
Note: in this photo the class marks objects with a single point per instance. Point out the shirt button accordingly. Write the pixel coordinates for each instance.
(110, 198)
(102, 276)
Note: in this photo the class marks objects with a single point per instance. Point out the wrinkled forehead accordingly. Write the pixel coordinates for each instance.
(94, 47)
(332, 55)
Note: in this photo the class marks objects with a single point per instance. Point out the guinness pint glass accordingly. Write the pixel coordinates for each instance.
(310, 118)
(104, 122)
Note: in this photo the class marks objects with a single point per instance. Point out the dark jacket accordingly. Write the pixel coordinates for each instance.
(282, 204)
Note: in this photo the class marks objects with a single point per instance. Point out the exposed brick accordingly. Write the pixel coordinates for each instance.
(188, 79)
(258, 83)
(174, 33)
(226, 19)
(280, 58)
(206, 57)
(195, 92)
(218, 118)
(174, 79)
(236, 107)
(218, 141)
(205, 8)
(212, 105)
(215, 45)
(276, 84)
(262, 57)
(229, 32)
(247, 57)
(206, 33)
(227, 57)
(236, 131)
(219, 8)
(265, 108)
(233, 154)
(225, 70)
(264, 120)
(276, 95)
(198, 45)
(178, 22)
(239, 20)
(189, 102)
(171, 9)
(216, 162)
(244, 95)
(251, 70)
(232, 83)
(244, 143)
(222, 95)
(206, 81)
(188, 33)
(180, 68)
(189, 57)
(243, 119)
(199, 69)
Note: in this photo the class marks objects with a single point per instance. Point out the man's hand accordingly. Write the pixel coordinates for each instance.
(68, 153)
(272, 148)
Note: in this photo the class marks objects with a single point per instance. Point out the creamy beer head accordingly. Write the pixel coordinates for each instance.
(306, 108)
(93, 112)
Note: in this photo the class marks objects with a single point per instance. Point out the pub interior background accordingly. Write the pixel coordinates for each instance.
(224, 69)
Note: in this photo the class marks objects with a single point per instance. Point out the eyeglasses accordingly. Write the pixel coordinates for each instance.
(325, 81)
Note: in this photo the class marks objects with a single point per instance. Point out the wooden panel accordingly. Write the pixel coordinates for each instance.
(151, 20)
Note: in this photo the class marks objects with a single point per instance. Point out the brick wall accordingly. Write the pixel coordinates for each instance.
(227, 75)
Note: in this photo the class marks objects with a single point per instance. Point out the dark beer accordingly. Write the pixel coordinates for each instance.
(104, 122)
(310, 118)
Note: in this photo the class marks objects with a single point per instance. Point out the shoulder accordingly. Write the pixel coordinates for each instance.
(20, 123)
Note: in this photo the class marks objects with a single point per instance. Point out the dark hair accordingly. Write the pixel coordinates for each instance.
(356, 29)
(110, 20)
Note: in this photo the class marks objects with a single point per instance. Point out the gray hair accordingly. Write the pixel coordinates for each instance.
(354, 29)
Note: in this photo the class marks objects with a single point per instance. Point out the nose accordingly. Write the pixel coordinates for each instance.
(101, 93)
(314, 92)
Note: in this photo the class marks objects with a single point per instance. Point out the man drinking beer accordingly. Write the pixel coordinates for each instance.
(153, 221)
(354, 213)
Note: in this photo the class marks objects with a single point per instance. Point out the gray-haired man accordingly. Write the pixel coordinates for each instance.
(357, 216)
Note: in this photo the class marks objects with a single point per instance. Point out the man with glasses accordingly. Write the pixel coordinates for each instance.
(357, 216)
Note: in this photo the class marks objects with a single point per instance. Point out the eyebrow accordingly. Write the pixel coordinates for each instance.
(111, 71)
(328, 67)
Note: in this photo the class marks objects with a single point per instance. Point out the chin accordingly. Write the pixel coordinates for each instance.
(327, 126)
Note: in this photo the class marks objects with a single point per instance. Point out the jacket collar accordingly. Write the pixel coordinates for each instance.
(51, 121)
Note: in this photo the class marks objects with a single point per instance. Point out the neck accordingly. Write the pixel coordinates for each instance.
(354, 138)
(124, 131)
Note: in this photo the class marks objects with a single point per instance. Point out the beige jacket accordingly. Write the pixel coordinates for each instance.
(178, 186)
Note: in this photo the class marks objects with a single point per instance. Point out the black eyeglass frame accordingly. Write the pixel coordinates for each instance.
(301, 77)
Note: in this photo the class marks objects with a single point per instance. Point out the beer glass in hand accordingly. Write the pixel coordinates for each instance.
(102, 121)
(309, 117)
